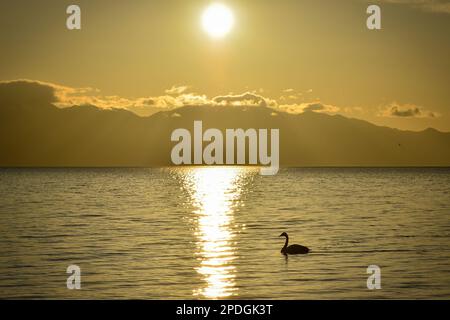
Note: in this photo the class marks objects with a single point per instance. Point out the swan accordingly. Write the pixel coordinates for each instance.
(293, 248)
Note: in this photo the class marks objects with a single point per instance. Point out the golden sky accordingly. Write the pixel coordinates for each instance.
(293, 54)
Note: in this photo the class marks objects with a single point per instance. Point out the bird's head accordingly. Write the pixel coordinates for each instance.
(284, 234)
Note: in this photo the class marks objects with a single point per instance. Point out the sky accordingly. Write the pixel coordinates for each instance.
(294, 55)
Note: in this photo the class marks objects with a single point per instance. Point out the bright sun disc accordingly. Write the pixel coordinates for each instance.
(217, 20)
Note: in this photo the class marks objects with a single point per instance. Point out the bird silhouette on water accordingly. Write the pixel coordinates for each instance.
(293, 248)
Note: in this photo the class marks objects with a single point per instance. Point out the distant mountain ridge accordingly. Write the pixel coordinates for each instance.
(86, 136)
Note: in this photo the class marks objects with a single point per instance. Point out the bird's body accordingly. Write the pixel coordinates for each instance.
(294, 248)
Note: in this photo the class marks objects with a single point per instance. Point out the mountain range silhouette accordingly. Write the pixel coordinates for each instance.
(43, 135)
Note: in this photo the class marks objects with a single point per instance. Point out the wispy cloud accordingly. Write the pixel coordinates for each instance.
(29, 92)
(316, 106)
(294, 95)
(246, 99)
(175, 97)
(177, 90)
(407, 111)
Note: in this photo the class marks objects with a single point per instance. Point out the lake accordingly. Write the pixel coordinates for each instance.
(213, 233)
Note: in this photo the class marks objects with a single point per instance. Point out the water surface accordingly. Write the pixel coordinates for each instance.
(201, 233)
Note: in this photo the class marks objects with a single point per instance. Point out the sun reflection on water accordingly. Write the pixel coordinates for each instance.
(215, 194)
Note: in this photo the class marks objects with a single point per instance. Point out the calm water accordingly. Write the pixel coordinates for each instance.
(213, 233)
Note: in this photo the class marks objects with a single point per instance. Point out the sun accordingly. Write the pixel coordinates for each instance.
(217, 20)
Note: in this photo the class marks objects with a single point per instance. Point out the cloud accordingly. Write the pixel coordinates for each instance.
(32, 92)
(438, 6)
(291, 94)
(308, 107)
(37, 92)
(314, 107)
(24, 91)
(176, 90)
(291, 97)
(407, 111)
(247, 99)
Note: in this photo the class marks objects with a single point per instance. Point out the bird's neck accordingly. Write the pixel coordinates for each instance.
(287, 241)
